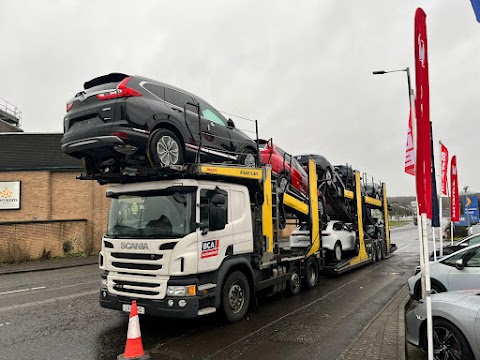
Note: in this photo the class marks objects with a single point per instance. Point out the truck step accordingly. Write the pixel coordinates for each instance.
(207, 310)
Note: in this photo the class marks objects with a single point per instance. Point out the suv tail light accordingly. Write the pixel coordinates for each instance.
(69, 106)
(122, 91)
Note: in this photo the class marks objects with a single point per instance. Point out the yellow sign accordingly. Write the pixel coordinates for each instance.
(468, 202)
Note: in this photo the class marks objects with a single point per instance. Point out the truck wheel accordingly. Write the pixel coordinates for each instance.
(373, 251)
(294, 284)
(379, 251)
(311, 273)
(384, 248)
(235, 296)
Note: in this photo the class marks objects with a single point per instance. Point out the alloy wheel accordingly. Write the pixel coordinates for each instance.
(445, 344)
(168, 151)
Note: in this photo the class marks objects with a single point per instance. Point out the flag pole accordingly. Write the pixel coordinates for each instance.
(419, 219)
(440, 195)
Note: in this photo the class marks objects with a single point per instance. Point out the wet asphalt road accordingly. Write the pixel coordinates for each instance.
(55, 315)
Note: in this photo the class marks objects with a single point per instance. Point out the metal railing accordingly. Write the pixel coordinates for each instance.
(11, 110)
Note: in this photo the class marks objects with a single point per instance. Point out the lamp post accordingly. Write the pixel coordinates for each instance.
(411, 98)
(422, 229)
(407, 70)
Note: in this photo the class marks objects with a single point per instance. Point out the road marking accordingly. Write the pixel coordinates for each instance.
(48, 301)
(22, 290)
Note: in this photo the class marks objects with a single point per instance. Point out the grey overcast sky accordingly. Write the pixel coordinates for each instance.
(302, 68)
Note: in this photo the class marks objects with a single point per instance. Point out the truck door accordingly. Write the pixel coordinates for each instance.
(213, 245)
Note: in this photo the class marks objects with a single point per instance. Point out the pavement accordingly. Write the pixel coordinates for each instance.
(382, 338)
(44, 265)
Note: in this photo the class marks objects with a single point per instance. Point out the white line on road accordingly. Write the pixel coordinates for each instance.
(22, 290)
(48, 301)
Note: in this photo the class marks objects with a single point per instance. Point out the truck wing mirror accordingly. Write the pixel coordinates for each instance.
(217, 199)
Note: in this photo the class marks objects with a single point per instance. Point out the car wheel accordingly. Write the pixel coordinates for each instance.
(282, 182)
(248, 158)
(328, 176)
(449, 342)
(311, 273)
(236, 296)
(337, 251)
(165, 148)
(294, 284)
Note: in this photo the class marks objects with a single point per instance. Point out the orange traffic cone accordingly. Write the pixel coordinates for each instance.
(134, 348)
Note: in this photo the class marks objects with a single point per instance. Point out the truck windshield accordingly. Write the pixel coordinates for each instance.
(167, 215)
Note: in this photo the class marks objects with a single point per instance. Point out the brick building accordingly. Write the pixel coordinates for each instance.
(44, 210)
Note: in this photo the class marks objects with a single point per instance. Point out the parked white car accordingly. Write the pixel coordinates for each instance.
(336, 237)
(458, 271)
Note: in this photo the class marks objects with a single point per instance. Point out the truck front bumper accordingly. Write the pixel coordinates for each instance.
(168, 307)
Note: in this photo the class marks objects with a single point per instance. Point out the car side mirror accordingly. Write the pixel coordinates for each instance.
(230, 123)
(217, 218)
(459, 264)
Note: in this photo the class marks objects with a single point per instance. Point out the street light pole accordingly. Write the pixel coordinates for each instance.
(411, 98)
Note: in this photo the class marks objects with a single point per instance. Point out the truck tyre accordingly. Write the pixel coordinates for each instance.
(311, 273)
(235, 296)
(165, 149)
(384, 248)
(373, 251)
(379, 251)
(294, 284)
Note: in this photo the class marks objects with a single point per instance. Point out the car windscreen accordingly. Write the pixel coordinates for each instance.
(158, 215)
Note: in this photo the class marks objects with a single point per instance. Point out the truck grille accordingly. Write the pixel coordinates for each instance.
(137, 274)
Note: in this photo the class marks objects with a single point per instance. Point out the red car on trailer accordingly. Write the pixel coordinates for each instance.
(284, 165)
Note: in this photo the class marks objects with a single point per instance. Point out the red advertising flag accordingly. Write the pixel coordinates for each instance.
(423, 164)
(444, 158)
(410, 151)
(454, 200)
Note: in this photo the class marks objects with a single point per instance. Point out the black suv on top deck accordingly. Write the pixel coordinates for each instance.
(121, 122)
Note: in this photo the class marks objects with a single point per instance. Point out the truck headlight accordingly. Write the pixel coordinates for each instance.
(189, 290)
(104, 284)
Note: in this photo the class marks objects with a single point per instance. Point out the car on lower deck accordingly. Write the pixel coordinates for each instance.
(337, 237)
(120, 122)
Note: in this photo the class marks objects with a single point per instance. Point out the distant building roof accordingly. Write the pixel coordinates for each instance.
(34, 151)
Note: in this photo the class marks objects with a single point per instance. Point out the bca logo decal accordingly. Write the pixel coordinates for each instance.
(209, 248)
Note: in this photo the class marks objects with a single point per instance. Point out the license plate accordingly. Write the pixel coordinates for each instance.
(127, 308)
